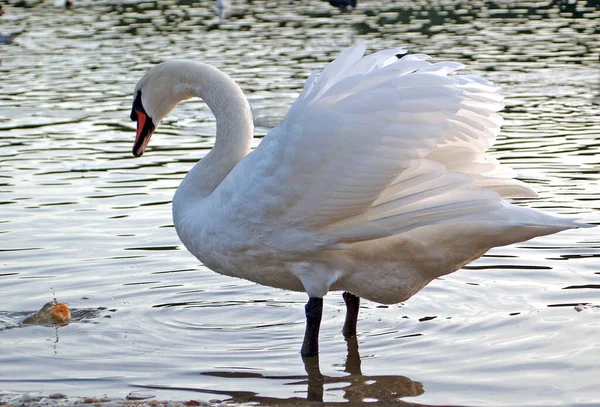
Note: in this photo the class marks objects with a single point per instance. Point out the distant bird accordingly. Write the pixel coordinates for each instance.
(223, 9)
(64, 3)
(8, 38)
(375, 183)
(343, 5)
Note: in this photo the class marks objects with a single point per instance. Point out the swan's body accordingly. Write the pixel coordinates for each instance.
(374, 183)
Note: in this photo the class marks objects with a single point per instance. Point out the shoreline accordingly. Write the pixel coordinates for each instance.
(134, 399)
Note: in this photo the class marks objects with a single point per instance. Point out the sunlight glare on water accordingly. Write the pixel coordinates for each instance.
(83, 220)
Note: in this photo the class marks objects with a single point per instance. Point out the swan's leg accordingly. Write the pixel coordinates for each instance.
(314, 312)
(352, 304)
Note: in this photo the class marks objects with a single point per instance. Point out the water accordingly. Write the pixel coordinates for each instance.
(82, 220)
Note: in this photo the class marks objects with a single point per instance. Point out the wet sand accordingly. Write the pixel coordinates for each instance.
(132, 400)
(144, 399)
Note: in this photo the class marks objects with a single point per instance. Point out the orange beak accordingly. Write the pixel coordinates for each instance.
(145, 128)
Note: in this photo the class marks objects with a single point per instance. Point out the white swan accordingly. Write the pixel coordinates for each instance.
(374, 183)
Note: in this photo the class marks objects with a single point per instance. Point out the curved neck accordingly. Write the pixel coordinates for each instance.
(235, 127)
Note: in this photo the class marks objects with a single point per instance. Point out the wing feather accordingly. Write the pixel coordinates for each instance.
(375, 146)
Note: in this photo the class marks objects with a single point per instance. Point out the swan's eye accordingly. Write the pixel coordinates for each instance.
(137, 106)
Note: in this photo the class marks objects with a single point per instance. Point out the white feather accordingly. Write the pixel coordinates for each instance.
(376, 181)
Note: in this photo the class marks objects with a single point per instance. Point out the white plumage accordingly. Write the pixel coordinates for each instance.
(375, 182)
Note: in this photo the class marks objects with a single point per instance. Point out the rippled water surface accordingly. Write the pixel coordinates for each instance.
(83, 220)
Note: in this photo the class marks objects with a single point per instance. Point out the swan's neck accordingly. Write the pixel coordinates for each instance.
(235, 130)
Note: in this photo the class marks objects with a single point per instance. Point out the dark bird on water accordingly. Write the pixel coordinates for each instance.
(343, 5)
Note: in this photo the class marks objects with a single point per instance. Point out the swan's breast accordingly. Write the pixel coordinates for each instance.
(228, 247)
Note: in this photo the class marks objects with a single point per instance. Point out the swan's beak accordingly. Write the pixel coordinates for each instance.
(145, 128)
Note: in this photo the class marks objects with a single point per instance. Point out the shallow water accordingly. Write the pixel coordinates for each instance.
(82, 220)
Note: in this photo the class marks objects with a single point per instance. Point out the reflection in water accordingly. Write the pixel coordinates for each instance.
(356, 388)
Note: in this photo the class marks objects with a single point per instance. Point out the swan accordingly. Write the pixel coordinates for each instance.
(375, 183)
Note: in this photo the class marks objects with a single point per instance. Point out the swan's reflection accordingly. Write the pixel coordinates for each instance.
(356, 387)
(387, 390)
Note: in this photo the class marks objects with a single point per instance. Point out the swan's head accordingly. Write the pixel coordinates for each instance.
(155, 95)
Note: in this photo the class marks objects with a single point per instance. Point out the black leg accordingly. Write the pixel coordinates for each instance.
(352, 304)
(314, 312)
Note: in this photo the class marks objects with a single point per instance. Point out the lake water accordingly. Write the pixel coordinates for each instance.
(81, 219)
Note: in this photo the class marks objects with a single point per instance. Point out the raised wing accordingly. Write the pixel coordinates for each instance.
(375, 146)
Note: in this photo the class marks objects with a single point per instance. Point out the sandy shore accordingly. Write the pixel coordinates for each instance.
(134, 399)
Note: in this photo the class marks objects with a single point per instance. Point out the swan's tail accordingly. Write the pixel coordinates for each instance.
(428, 195)
(509, 223)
